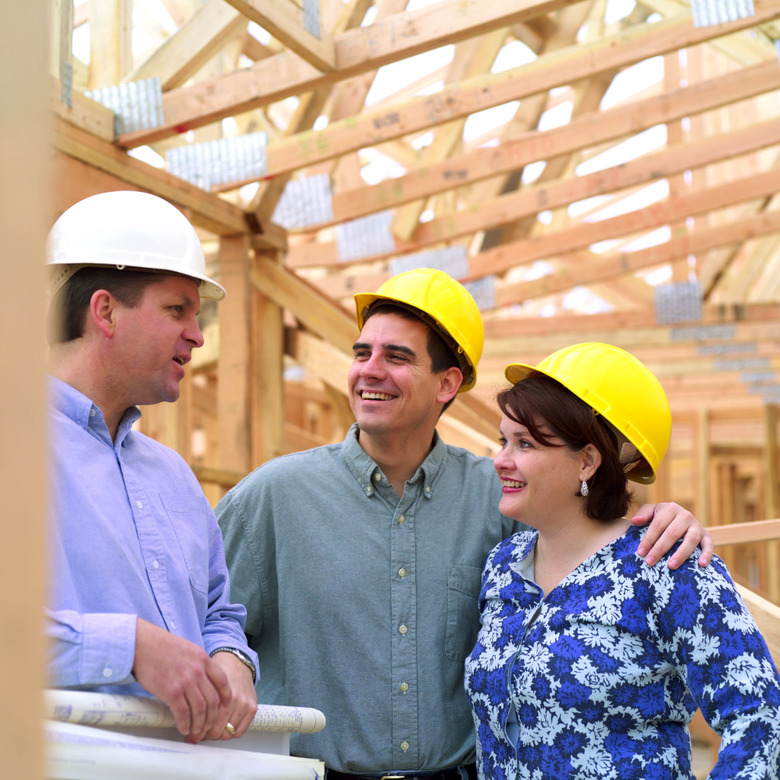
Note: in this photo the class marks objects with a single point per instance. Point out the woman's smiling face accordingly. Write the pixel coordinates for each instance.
(538, 481)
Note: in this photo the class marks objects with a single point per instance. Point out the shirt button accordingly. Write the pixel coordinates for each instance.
(378, 477)
(404, 746)
(402, 573)
(401, 519)
(107, 672)
(427, 488)
(155, 565)
(139, 504)
(404, 687)
(92, 412)
(403, 629)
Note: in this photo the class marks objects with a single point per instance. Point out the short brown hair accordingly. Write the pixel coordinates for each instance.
(539, 399)
(68, 308)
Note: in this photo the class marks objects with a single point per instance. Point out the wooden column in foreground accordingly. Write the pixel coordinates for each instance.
(24, 220)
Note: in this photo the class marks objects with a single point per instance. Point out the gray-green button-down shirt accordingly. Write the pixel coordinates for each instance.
(364, 605)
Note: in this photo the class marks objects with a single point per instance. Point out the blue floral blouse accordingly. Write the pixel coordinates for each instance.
(600, 678)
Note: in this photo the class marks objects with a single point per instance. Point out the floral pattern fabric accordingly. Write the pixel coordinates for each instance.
(600, 678)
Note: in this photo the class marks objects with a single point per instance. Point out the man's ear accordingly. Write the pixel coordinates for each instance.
(450, 381)
(591, 460)
(102, 312)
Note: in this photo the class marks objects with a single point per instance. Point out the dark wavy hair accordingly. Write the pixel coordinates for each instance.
(538, 401)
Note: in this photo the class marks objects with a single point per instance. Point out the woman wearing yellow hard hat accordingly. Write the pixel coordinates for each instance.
(589, 664)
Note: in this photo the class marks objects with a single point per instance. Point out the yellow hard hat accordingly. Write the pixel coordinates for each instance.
(620, 388)
(442, 302)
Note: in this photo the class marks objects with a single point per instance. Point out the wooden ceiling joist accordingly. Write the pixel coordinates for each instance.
(194, 43)
(587, 131)
(558, 69)
(284, 20)
(357, 51)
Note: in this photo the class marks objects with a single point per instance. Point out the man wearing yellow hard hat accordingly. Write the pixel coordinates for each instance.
(359, 563)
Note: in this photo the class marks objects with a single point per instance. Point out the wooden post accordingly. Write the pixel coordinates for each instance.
(233, 363)
(771, 501)
(267, 378)
(250, 389)
(24, 221)
(111, 24)
(701, 459)
(726, 480)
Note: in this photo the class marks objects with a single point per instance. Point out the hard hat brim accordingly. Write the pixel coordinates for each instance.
(60, 273)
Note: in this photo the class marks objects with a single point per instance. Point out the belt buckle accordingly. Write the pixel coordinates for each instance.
(392, 777)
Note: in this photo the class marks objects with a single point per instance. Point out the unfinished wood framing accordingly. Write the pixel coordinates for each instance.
(583, 163)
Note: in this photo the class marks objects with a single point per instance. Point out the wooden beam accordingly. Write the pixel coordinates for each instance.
(357, 51)
(312, 309)
(669, 161)
(284, 20)
(572, 324)
(742, 344)
(320, 359)
(504, 209)
(192, 45)
(204, 209)
(225, 478)
(83, 112)
(603, 267)
(310, 107)
(482, 92)
(472, 58)
(746, 47)
(745, 533)
(110, 57)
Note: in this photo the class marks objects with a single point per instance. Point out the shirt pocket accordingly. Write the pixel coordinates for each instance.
(189, 518)
(463, 583)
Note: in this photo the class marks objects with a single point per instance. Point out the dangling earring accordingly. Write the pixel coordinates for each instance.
(584, 488)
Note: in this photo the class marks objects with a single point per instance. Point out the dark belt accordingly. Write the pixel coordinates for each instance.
(444, 774)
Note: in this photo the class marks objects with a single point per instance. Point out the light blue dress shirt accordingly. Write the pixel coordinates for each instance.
(363, 604)
(132, 535)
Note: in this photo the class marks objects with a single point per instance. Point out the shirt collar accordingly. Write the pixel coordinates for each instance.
(81, 410)
(365, 468)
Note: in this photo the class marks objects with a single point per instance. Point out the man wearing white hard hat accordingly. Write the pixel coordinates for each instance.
(140, 601)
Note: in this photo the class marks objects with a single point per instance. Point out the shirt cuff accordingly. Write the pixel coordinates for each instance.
(108, 649)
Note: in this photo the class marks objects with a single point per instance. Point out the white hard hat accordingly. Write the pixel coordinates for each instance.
(127, 230)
